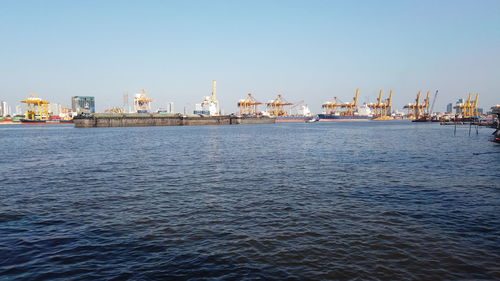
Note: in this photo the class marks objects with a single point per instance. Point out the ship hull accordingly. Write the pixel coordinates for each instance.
(332, 118)
(301, 119)
(45, 122)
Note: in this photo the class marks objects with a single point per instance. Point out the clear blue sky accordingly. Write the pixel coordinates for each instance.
(307, 50)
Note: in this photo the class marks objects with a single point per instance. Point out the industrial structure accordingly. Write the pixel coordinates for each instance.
(469, 108)
(142, 102)
(330, 107)
(348, 111)
(383, 108)
(83, 104)
(417, 110)
(36, 108)
(249, 105)
(350, 108)
(338, 107)
(210, 104)
(5, 109)
(277, 107)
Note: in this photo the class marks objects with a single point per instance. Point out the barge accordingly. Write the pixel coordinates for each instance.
(100, 120)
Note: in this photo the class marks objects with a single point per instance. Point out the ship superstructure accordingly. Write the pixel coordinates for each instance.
(210, 104)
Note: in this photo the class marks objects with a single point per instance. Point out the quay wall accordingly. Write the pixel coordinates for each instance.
(100, 120)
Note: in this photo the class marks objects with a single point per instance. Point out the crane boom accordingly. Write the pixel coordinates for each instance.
(433, 102)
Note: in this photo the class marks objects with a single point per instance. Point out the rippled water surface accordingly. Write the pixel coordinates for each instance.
(379, 200)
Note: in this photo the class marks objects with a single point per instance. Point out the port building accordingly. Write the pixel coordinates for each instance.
(83, 104)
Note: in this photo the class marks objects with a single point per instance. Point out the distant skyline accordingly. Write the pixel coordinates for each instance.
(305, 50)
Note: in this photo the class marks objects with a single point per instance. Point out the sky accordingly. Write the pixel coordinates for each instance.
(308, 51)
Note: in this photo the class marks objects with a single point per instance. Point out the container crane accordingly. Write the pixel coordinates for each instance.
(36, 108)
(414, 109)
(475, 113)
(330, 107)
(277, 106)
(142, 102)
(350, 108)
(249, 106)
(382, 109)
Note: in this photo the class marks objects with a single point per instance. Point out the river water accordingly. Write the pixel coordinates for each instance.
(338, 201)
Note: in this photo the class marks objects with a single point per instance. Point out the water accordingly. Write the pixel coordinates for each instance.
(378, 200)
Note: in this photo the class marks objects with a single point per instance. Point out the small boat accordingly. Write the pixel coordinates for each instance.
(314, 119)
(496, 136)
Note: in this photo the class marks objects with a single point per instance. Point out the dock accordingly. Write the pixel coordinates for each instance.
(103, 120)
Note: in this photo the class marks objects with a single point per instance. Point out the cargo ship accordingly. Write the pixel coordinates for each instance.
(303, 114)
(45, 122)
(283, 119)
(338, 111)
(362, 113)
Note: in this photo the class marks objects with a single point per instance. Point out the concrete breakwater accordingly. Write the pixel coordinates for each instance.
(139, 120)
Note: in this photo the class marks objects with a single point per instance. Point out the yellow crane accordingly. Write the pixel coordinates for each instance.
(377, 107)
(352, 107)
(142, 102)
(382, 109)
(249, 106)
(418, 110)
(388, 105)
(469, 107)
(330, 107)
(277, 106)
(425, 106)
(36, 108)
(474, 111)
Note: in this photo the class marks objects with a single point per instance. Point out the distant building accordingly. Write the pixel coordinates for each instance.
(480, 111)
(83, 104)
(449, 108)
(458, 110)
(54, 109)
(4, 109)
(168, 109)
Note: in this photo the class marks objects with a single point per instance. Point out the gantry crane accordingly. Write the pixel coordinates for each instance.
(350, 108)
(382, 109)
(388, 105)
(418, 110)
(377, 107)
(474, 110)
(277, 106)
(36, 108)
(249, 106)
(426, 105)
(347, 109)
(330, 107)
(469, 108)
(142, 103)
